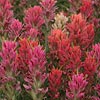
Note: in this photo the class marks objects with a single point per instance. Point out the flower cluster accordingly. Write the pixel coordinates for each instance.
(55, 78)
(6, 15)
(33, 20)
(81, 32)
(76, 87)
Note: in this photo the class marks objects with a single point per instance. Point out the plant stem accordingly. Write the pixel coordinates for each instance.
(46, 36)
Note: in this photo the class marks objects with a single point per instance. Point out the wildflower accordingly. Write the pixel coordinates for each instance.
(7, 69)
(24, 55)
(76, 87)
(33, 17)
(48, 9)
(90, 66)
(6, 15)
(15, 29)
(60, 21)
(95, 53)
(86, 9)
(8, 55)
(30, 63)
(37, 64)
(74, 58)
(55, 78)
(58, 41)
(81, 32)
(33, 21)
(56, 37)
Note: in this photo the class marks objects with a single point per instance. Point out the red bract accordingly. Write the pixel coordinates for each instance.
(55, 78)
(55, 39)
(96, 53)
(48, 9)
(30, 63)
(23, 56)
(76, 88)
(74, 61)
(37, 64)
(58, 42)
(86, 9)
(36, 75)
(61, 50)
(70, 58)
(90, 66)
(15, 29)
(6, 15)
(81, 32)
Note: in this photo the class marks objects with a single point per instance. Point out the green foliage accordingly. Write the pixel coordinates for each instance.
(62, 5)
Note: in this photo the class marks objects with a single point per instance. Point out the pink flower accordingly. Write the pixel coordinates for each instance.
(76, 87)
(33, 21)
(32, 33)
(7, 64)
(37, 64)
(15, 29)
(6, 15)
(33, 17)
(55, 78)
(48, 9)
(8, 55)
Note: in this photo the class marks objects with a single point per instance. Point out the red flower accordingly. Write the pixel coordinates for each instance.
(70, 59)
(90, 66)
(56, 38)
(86, 9)
(58, 42)
(81, 32)
(54, 82)
(96, 53)
(24, 55)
